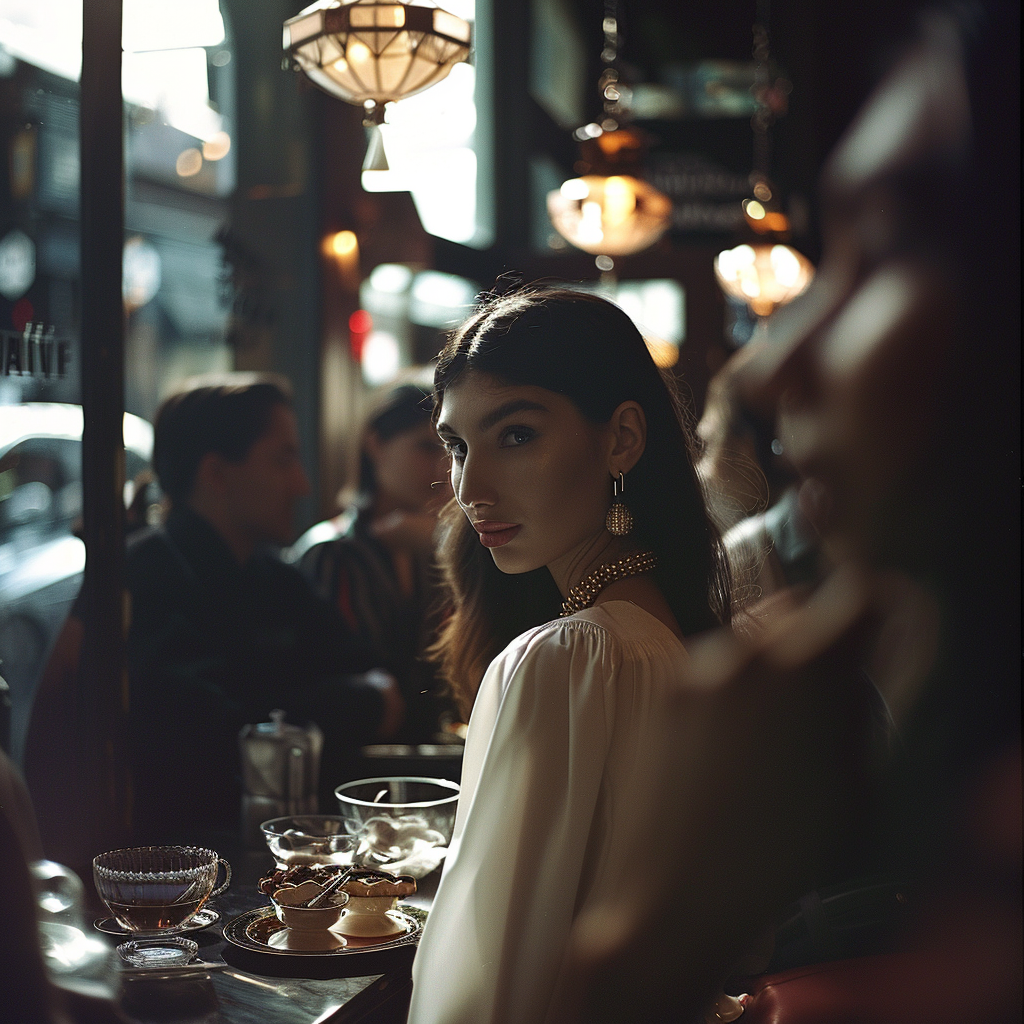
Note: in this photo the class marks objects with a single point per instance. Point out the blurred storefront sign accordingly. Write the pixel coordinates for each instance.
(705, 196)
(34, 352)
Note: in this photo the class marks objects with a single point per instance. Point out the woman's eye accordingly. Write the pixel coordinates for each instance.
(512, 437)
(456, 449)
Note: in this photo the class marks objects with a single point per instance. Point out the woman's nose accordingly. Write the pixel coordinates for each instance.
(470, 483)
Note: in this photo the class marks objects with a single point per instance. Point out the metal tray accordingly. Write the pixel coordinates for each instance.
(253, 929)
(204, 919)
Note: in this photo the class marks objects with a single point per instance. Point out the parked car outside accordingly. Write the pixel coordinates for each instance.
(41, 558)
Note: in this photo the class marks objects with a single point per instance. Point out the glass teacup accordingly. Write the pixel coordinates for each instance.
(158, 888)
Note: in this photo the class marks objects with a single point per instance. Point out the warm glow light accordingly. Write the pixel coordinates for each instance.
(189, 162)
(218, 147)
(619, 201)
(344, 243)
(764, 221)
(367, 51)
(785, 264)
(664, 353)
(358, 53)
(574, 188)
(763, 276)
(589, 229)
(614, 216)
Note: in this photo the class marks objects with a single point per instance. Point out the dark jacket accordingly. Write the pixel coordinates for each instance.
(213, 646)
(353, 570)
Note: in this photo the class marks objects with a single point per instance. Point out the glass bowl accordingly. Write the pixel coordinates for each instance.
(308, 839)
(403, 824)
(173, 951)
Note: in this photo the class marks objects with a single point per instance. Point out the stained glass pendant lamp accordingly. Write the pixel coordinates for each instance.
(611, 212)
(373, 52)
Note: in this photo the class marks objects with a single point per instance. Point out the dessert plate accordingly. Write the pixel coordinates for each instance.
(206, 917)
(258, 930)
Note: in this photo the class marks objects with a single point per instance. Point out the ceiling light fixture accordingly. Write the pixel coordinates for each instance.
(764, 272)
(373, 52)
(609, 210)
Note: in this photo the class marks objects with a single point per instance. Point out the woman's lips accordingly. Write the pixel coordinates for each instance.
(494, 535)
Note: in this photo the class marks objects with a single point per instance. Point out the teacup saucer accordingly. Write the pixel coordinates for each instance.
(172, 951)
(206, 917)
(296, 941)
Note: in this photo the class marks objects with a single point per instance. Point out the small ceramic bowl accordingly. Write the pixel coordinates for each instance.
(307, 919)
(367, 917)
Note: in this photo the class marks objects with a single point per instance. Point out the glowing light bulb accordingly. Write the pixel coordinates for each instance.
(344, 243)
(358, 53)
(575, 188)
(619, 201)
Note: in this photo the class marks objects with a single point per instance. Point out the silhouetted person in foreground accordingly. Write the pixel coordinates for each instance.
(895, 381)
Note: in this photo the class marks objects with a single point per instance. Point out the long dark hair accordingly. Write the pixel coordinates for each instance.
(588, 350)
(403, 407)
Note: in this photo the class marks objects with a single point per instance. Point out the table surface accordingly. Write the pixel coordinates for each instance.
(258, 988)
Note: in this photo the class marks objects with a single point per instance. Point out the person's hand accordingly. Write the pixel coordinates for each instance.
(756, 772)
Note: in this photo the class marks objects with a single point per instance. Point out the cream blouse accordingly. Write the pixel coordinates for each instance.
(556, 735)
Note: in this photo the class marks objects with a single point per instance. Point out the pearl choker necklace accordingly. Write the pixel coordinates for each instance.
(585, 592)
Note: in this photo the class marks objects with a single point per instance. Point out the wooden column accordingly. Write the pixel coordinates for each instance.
(101, 704)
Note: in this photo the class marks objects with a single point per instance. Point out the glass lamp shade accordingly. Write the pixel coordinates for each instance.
(763, 276)
(609, 216)
(371, 52)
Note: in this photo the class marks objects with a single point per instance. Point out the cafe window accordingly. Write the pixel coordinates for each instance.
(439, 145)
(180, 151)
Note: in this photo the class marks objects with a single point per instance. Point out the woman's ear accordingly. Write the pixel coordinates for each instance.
(628, 426)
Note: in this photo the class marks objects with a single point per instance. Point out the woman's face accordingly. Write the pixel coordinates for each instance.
(407, 466)
(529, 470)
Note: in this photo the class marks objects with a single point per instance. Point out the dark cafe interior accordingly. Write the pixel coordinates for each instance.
(510, 512)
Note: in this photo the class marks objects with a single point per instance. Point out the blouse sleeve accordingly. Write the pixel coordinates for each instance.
(499, 925)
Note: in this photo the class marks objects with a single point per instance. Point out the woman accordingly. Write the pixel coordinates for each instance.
(578, 522)
(374, 560)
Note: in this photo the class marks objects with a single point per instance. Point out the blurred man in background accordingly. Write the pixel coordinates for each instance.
(223, 632)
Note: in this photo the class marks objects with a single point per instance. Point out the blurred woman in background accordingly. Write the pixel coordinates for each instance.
(374, 561)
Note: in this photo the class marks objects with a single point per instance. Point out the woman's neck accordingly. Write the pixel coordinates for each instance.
(568, 570)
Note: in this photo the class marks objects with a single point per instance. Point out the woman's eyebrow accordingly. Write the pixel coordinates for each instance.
(516, 405)
(497, 415)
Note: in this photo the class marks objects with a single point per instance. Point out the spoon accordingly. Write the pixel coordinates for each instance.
(331, 888)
